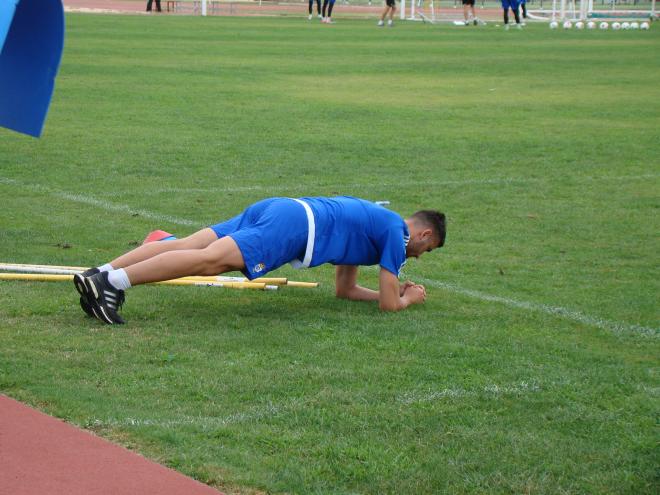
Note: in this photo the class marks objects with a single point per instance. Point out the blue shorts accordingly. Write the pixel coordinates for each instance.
(510, 4)
(269, 234)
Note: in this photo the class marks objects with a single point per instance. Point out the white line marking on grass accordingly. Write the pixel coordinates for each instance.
(489, 391)
(105, 205)
(303, 187)
(382, 186)
(609, 325)
(205, 422)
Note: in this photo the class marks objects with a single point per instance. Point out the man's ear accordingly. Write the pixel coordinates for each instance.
(427, 234)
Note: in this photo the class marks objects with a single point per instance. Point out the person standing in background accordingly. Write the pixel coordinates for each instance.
(523, 10)
(149, 2)
(318, 8)
(468, 12)
(513, 5)
(327, 11)
(390, 8)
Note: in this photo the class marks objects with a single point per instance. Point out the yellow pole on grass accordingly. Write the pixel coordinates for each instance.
(30, 269)
(46, 277)
(26, 266)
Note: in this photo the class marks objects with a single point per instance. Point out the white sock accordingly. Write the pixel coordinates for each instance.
(118, 279)
(106, 268)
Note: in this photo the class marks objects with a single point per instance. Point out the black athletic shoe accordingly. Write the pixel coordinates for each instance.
(79, 283)
(104, 298)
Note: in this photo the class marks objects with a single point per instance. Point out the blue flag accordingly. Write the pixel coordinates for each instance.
(31, 43)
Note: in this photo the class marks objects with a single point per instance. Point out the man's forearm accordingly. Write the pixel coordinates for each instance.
(395, 303)
(358, 293)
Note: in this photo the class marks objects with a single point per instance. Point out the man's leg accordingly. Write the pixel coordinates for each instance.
(325, 6)
(198, 240)
(392, 12)
(104, 292)
(149, 2)
(221, 256)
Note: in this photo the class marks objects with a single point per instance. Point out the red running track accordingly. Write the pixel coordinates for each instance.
(41, 455)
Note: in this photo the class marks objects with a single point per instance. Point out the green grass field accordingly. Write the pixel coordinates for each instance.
(532, 367)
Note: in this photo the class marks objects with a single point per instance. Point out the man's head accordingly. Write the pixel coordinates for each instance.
(428, 229)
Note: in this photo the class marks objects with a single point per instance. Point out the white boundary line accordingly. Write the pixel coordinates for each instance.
(385, 186)
(609, 325)
(569, 314)
(489, 391)
(205, 422)
(301, 187)
(99, 203)
(270, 410)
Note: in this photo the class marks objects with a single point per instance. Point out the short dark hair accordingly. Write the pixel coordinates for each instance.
(435, 220)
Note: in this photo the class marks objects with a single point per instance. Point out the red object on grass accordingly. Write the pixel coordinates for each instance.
(158, 235)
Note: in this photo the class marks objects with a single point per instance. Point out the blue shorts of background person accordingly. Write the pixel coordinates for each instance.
(510, 4)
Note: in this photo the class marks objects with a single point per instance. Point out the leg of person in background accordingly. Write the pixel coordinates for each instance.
(149, 2)
(325, 7)
(328, 19)
(390, 23)
(390, 8)
(318, 8)
(311, 4)
(513, 5)
(381, 21)
(523, 8)
(468, 12)
(505, 11)
(158, 6)
(516, 14)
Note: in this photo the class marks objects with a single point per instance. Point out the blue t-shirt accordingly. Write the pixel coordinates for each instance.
(352, 231)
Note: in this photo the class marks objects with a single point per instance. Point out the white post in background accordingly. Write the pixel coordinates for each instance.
(584, 9)
(403, 9)
(653, 8)
(204, 7)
